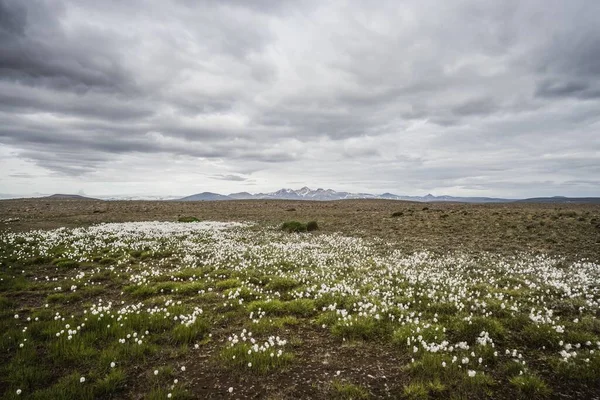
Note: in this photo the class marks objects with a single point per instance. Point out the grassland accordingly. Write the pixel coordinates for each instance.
(438, 301)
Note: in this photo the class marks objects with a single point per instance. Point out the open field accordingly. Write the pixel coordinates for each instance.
(439, 301)
(571, 230)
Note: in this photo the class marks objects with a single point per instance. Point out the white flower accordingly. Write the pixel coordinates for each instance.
(249, 365)
(155, 372)
(444, 364)
(169, 395)
(82, 379)
(113, 364)
(471, 373)
(230, 390)
(19, 391)
(183, 368)
(16, 316)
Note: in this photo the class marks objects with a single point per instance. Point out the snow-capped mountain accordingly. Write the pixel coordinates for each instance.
(320, 194)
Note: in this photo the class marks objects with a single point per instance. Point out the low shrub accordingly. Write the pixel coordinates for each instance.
(296, 226)
(293, 226)
(312, 226)
(187, 219)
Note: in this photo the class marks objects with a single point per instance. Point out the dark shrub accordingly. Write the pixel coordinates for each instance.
(312, 226)
(188, 219)
(397, 214)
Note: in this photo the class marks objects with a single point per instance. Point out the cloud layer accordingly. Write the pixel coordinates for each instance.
(461, 98)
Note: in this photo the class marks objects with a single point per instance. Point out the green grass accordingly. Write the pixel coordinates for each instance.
(530, 386)
(348, 391)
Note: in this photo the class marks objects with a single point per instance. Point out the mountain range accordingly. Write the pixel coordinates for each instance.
(328, 194)
(308, 194)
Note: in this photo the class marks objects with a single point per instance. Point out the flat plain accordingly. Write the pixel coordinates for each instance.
(387, 299)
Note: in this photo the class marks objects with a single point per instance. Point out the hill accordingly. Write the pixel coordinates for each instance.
(205, 196)
(60, 196)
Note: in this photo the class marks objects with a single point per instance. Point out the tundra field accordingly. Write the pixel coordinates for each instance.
(387, 299)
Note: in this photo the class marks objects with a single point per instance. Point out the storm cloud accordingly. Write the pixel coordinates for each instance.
(465, 98)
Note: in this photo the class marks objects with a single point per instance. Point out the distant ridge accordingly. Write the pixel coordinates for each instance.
(561, 199)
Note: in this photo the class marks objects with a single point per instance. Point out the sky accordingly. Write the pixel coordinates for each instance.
(154, 97)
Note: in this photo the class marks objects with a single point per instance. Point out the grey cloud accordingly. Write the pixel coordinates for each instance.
(393, 95)
(578, 89)
(234, 178)
(51, 57)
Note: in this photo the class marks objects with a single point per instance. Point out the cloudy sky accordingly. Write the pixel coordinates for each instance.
(481, 97)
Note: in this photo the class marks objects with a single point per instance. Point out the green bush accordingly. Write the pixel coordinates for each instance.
(188, 219)
(293, 226)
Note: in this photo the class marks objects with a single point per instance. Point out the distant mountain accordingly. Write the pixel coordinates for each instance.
(241, 196)
(60, 196)
(140, 198)
(205, 196)
(320, 194)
